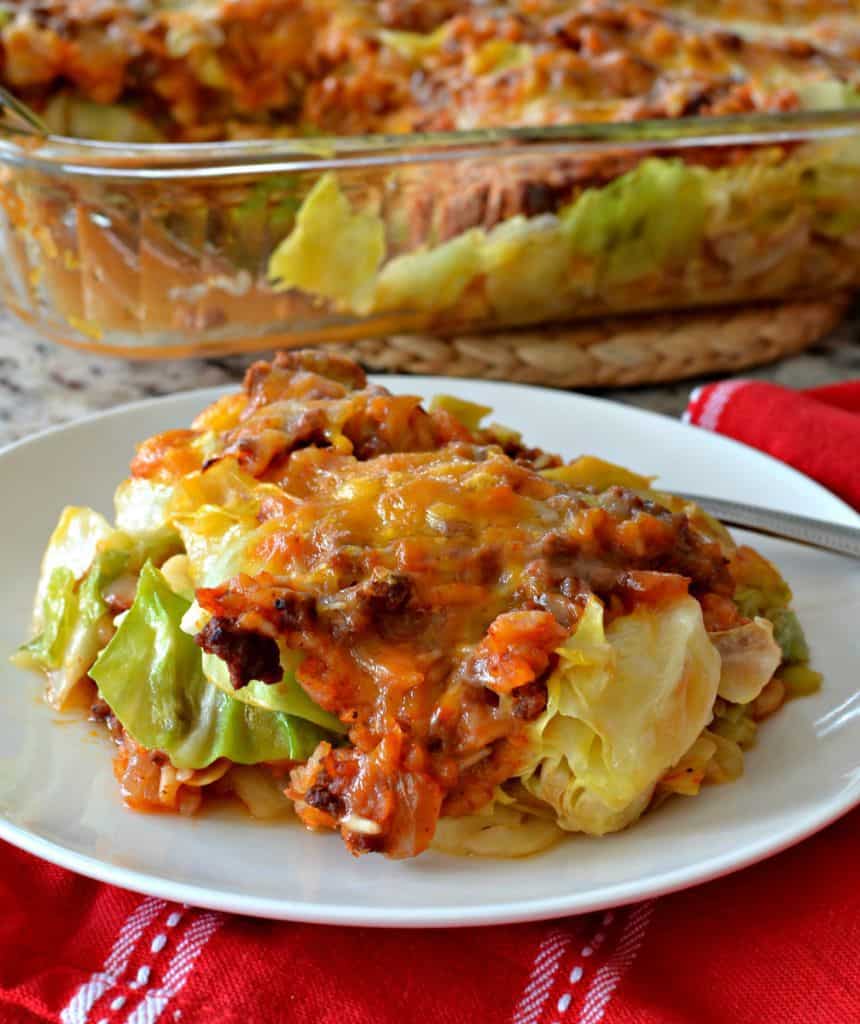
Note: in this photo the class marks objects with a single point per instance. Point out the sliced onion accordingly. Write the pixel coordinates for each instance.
(749, 656)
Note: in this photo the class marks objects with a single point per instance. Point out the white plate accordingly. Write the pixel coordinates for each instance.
(58, 798)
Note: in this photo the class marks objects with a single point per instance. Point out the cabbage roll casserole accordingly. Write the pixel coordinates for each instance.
(210, 70)
(368, 222)
(406, 626)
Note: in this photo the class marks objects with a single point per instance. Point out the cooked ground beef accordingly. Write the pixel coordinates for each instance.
(248, 655)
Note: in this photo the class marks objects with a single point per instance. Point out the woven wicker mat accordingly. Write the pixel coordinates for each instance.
(614, 352)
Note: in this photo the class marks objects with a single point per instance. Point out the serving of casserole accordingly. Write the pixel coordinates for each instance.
(412, 628)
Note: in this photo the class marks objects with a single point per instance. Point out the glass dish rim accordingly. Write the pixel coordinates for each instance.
(67, 157)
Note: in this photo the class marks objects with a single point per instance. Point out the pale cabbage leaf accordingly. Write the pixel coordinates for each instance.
(624, 705)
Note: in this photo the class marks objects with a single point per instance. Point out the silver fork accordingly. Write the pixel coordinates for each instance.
(816, 533)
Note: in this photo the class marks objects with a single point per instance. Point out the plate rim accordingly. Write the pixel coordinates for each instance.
(360, 916)
(667, 881)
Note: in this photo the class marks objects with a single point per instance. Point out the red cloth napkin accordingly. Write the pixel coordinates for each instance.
(778, 942)
(817, 431)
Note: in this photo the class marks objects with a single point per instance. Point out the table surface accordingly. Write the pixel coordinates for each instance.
(42, 383)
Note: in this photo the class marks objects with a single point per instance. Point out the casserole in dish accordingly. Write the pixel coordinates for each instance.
(236, 174)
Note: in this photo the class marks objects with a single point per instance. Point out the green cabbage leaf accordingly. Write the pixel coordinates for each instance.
(645, 220)
(151, 674)
(332, 251)
(71, 621)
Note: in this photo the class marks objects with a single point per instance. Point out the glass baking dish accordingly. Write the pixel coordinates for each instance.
(184, 249)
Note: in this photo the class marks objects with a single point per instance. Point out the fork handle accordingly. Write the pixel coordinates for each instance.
(817, 533)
